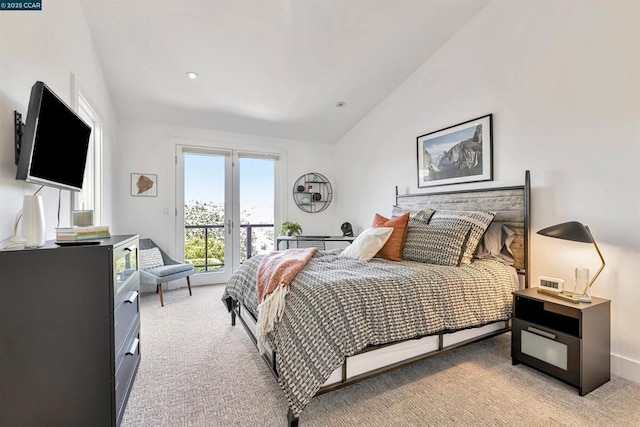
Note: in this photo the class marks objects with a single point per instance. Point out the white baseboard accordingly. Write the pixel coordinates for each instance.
(202, 279)
(625, 368)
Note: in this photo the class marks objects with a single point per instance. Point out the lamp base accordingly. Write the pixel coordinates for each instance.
(33, 229)
(583, 298)
(567, 296)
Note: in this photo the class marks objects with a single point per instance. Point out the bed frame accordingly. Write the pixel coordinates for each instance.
(512, 206)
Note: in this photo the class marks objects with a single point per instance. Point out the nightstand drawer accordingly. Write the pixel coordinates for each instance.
(540, 347)
(547, 349)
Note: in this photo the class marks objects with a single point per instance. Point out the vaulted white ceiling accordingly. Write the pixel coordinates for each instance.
(272, 68)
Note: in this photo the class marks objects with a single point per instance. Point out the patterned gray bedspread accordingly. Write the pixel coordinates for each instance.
(337, 306)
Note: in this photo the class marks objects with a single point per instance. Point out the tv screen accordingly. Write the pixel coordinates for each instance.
(54, 143)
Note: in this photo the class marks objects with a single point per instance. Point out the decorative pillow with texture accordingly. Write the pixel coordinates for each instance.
(495, 243)
(422, 214)
(392, 250)
(367, 244)
(434, 244)
(150, 258)
(478, 220)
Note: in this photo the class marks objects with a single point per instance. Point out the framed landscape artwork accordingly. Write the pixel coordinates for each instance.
(457, 154)
(144, 184)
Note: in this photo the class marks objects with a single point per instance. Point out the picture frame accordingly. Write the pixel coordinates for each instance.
(457, 154)
(144, 185)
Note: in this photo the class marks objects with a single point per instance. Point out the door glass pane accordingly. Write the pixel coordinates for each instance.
(256, 206)
(204, 213)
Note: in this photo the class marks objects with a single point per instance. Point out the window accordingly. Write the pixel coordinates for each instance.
(90, 198)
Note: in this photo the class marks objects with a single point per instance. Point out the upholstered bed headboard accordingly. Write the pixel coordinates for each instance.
(511, 205)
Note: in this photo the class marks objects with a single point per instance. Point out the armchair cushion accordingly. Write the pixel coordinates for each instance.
(150, 258)
(165, 274)
(170, 270)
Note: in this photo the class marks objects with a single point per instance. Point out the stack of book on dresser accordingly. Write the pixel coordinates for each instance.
(82, 234)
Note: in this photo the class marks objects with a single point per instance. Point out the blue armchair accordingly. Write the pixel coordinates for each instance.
(171, 270)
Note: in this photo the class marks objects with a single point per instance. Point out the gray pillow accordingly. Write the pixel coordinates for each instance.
(478, 221)
(495, 243)
(433, 244)
(422, 214)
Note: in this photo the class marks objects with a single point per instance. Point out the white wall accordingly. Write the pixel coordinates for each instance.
(561, 79)
(150, 148)
(47, 45)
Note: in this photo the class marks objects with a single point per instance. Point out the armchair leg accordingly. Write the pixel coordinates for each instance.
(189, 285)
(159, 290)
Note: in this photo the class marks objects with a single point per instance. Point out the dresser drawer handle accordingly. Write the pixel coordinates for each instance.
(132, 297)
(131, 248)
(541, 333)
(134, 347)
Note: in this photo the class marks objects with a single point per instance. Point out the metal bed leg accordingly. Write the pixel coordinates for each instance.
(292, 420)
(233, 318)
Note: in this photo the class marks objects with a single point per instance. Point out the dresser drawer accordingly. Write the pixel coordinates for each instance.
(127, 361)
(125, 264)
(127, 315)
(126, 290)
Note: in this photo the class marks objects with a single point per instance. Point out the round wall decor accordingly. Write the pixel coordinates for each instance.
(312, 192)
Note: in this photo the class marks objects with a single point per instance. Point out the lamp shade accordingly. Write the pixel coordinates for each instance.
(571, 230)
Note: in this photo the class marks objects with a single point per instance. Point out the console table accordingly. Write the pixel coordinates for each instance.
(289, 239)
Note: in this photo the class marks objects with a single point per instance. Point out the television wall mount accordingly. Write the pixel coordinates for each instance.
(19, 131)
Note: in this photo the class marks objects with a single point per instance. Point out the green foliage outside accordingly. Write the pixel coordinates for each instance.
(203, 213)
(208, 213)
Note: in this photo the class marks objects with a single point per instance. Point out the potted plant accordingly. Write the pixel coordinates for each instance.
(290, 228)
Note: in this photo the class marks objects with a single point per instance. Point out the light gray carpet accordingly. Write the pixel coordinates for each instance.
(198, 370)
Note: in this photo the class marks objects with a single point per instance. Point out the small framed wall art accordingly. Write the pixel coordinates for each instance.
(456, 154)
(144, 184)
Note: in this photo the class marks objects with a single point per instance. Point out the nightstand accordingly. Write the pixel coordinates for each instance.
(568, 341)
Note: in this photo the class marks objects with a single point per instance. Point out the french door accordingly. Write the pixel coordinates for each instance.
(226, 208)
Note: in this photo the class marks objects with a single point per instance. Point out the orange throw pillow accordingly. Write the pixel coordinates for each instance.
(392, 250)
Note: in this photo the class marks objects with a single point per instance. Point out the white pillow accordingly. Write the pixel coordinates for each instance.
(150, 258)
(368, 243)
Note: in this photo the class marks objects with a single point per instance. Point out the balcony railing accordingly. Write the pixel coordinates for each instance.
(206, 265)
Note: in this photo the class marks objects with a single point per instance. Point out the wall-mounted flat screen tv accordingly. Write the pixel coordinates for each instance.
(54, 143)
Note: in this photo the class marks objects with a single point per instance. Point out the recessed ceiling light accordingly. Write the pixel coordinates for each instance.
(341, 104)
(192, 75)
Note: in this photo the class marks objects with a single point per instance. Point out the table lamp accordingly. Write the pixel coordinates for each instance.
(576, 232)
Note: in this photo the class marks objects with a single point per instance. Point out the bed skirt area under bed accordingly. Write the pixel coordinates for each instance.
(379, 359)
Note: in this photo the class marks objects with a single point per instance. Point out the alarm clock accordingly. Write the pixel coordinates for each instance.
(551, 284)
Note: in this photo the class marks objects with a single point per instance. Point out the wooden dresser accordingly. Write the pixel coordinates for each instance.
(70, 333)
